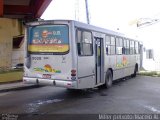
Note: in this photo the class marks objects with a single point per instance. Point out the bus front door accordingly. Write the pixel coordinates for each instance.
(98, 59)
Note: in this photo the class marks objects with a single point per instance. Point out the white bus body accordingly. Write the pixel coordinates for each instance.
(76, 55)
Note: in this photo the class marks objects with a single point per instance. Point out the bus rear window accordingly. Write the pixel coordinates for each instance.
(48, 39)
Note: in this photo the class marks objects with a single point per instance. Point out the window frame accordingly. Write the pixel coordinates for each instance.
(119, 45)
(132, 42)
(126, 46)
(81, 42)
(136, 47)
(110, 45)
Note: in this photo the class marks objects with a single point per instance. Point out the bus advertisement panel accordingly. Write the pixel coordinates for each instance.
(48, 38)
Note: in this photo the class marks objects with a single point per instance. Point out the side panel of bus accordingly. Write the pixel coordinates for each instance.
(86, 60)
(121, 56)
(91, 59)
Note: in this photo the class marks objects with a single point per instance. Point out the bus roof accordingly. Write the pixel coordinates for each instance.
(80, 25)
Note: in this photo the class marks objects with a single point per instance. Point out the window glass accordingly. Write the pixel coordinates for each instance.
(127, 43)
(113, 50)
(108, 50)
(84, 43)
(120, 42)
(79, 36)
(110, 45)
(113, 41)
(126, 46)
(108, 40)
(124, 43)
(87, 37)
(86, 49)
(127, 50)
(136, 48)
(119, 45)
(131, 47)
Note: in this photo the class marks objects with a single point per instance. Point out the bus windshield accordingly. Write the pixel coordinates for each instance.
(48, 39)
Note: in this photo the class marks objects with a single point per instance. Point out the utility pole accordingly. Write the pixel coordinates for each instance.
(87, 12)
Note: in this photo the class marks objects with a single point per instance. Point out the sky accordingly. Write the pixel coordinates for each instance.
(116, 15)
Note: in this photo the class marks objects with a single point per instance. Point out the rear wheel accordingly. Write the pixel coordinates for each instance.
(108, 79)
(135, 71)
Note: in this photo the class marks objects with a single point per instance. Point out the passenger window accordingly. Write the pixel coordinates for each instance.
(131, 47)
(84, 43)
(110, 45)
(126, 47)
(79, 37)
(113, 43)
(136, 48)
(119, 46)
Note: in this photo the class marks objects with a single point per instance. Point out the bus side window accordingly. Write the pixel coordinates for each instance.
(84, 43)
(136, 48)
(119, 45)
(124, 46)
(123, 50)
(131, 47)
(127, 49)
(79, 37)
(113, 46)
(87, 43)
(108, 43)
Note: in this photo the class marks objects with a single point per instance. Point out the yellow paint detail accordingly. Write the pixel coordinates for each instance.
(48, 48)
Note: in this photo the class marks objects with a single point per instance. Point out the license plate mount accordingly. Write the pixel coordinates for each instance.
(46, 76)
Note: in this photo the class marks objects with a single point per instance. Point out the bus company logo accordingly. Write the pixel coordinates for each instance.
(47, 68)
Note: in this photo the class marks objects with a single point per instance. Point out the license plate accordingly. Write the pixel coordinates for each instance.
(46, 76)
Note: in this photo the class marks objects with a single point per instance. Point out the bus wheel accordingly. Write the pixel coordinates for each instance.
(135, 71)
(108, 79)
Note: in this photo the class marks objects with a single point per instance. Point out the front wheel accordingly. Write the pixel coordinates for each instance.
(108, 79)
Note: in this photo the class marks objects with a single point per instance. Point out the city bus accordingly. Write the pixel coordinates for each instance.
(75, 55)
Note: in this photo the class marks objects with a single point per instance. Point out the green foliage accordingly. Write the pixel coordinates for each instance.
(10, 71)
(150, 73)
(11, 76)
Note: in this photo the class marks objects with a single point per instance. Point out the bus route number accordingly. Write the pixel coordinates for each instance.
(36, 58)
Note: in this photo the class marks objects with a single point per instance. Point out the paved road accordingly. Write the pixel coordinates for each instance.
(135, 95)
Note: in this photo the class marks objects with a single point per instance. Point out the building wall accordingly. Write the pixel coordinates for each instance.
(153, 63)
(18, 55)
(149, 35)
(8, 29)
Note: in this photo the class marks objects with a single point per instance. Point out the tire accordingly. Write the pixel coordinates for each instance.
(108, 79)
(135, 71)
